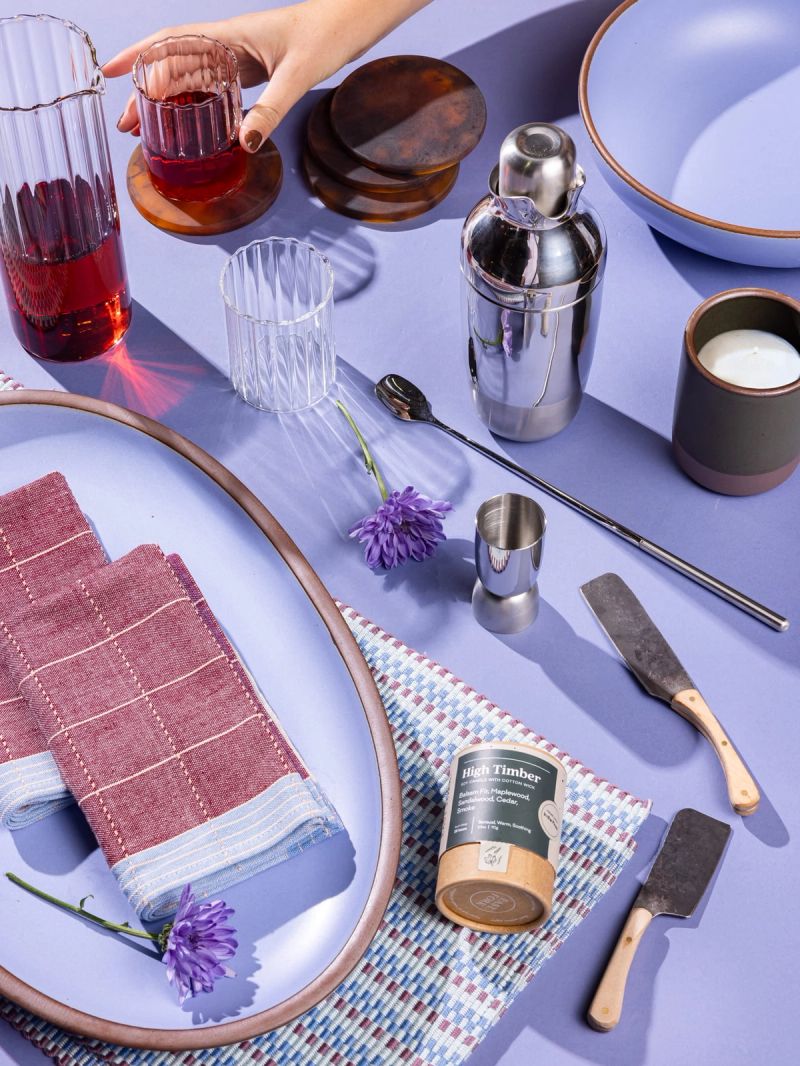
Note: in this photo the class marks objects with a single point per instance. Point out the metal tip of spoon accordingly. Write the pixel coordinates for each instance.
(404, 399)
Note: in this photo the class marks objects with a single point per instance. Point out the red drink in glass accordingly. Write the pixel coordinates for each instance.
(64, 272)
(190, 108)
(179, 169)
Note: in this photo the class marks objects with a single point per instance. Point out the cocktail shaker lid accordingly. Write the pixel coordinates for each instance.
(530, 237)
(538, 165)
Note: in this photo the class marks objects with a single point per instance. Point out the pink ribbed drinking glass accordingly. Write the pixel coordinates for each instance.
(190, 108)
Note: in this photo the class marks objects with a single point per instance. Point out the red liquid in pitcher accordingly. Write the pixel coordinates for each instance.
(186, 167)
(64, 271)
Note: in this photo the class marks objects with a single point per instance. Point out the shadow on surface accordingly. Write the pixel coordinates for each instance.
(604, 688)
(59, 844)
(152, 370)
(75, 842)
(766, 824)
(409, 454)
(528, 73)
(555, 1002)
(291, 888)
(634, 479)
(157, 373)
(329, 456)
(447, 577)
(298, 214)
(708, 275)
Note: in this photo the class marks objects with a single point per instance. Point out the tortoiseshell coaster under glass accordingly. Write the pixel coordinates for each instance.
(408, 114)
(376, 207)
(256, 194)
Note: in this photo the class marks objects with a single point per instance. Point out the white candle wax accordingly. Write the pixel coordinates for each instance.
(751, 358)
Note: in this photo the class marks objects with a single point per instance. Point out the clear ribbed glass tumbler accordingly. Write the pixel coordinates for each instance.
(278, 296)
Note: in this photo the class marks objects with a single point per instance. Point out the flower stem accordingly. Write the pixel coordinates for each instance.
(113, 926)
(369, 461)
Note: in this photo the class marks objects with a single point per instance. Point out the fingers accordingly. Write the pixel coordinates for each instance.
(122, 62)
(284, 89)
(129, 119)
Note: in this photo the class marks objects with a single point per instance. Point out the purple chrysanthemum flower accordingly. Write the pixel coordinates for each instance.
(196, 943)
(406, 525)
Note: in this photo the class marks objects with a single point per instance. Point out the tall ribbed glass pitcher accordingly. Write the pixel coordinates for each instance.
(61, 263)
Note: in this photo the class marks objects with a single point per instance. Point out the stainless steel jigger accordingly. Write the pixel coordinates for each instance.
(509, 538)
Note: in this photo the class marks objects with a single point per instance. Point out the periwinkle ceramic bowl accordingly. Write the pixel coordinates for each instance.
(692, 108)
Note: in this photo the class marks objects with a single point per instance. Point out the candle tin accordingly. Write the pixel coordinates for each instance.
(730, 439)
(501, 835)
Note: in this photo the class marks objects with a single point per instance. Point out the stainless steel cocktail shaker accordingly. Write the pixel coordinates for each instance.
(533, 262)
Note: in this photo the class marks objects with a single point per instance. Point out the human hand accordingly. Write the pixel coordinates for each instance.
(293, 48)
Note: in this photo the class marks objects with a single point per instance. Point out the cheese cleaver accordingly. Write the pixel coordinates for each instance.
(654, 663)
(678, 879)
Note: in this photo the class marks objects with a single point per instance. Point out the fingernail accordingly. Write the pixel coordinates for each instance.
(253, 140)
(119, 120)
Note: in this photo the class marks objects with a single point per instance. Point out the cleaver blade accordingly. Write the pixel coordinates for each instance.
(685, 864)
(633, 633)
(678, 879)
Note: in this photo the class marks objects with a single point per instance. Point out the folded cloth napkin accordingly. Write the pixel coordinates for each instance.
(171, 752)
(44, 542)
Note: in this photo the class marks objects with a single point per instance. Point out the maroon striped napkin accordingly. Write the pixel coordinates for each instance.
(44, 542)
(172, 754)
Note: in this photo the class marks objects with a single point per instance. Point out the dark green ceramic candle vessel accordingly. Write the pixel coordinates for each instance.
(731, 439)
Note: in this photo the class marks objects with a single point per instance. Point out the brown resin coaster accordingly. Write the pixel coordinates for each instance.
(330, 153)
(408, 114)
(257, 193)
(384, 207)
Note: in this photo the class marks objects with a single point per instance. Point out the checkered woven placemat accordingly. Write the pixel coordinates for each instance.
(426, 991)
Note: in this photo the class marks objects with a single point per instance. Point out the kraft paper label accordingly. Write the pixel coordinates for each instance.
(503, 796)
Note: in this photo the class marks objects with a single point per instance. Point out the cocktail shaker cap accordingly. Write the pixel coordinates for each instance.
(538, 164)
(530, 241)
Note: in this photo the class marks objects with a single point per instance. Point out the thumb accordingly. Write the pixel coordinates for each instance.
(284, 90)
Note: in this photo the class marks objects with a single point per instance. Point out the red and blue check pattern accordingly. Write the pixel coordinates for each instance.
(44, 541)
(170, 751)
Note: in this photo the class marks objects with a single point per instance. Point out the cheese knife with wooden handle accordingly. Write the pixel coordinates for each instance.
(649, 657)
(678, 879)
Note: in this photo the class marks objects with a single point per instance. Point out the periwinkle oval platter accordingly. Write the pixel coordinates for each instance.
(305, 923)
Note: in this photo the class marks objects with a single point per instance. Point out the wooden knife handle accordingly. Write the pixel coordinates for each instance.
(606, 1006)
(742, 789)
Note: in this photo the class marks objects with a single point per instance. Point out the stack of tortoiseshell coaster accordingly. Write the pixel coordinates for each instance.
(386, 145)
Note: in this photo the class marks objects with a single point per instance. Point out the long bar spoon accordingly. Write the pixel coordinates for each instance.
(410, 404)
